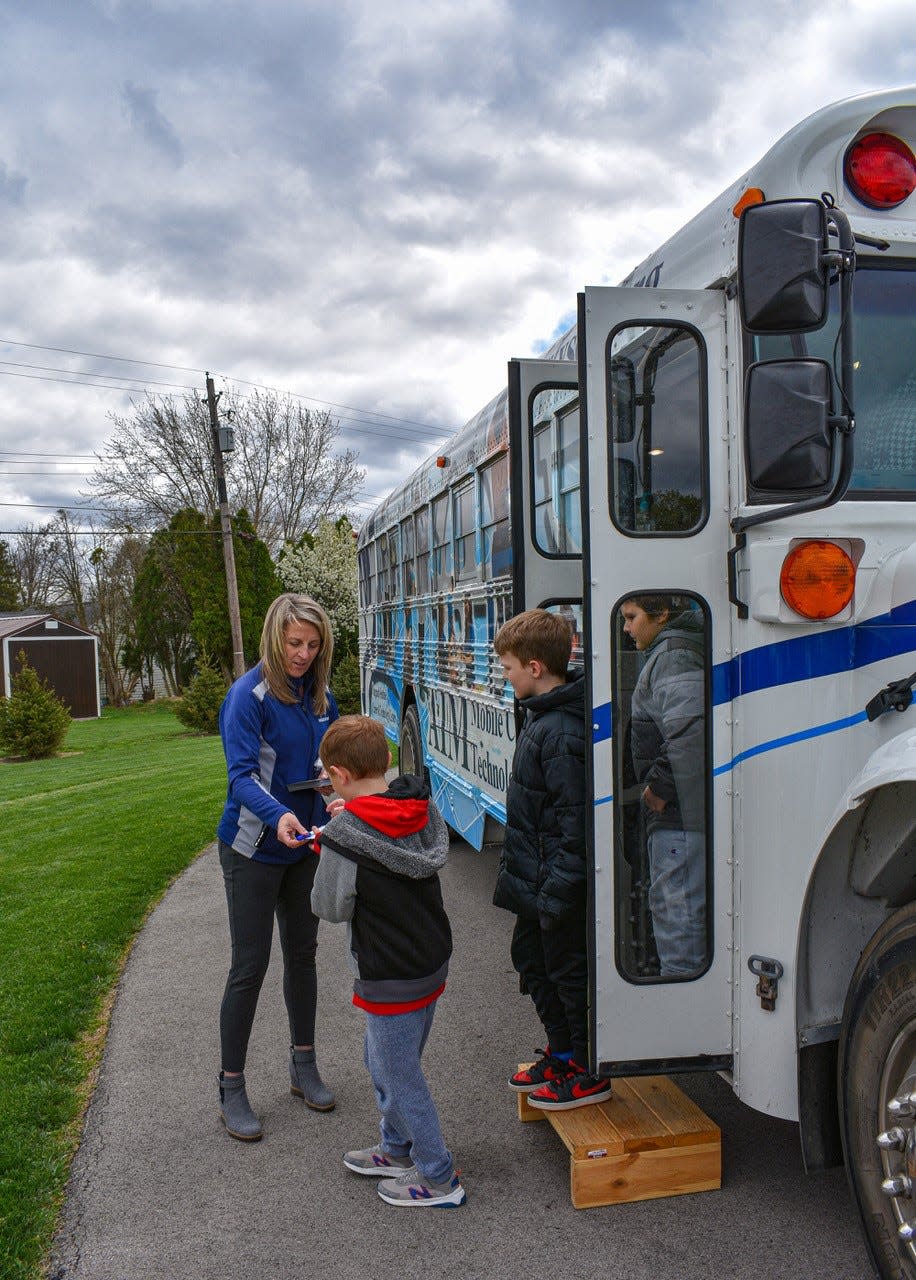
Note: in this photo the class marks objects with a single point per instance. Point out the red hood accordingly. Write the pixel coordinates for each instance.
(390, 815)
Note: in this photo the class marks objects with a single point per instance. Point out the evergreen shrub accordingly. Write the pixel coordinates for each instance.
(198, 707)
(33, 720)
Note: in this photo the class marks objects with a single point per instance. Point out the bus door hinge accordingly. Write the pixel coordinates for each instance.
(767, 972)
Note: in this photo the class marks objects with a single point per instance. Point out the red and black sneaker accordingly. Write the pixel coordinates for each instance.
(548, 1070)
(576, 1089)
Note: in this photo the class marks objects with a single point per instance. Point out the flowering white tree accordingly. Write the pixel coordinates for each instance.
(326, 571)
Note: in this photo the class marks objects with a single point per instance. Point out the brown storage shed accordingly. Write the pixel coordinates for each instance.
(62, 653)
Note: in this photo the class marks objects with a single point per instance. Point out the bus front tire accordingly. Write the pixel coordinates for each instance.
(410, 749)
(877, 1076)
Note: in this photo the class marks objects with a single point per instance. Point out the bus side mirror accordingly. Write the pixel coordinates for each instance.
(783, 278)
(789, 433)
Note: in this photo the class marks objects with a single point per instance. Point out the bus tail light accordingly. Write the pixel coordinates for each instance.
(817, 579)
(880, 170)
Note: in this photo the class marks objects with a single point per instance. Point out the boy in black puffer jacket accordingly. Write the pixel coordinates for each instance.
(542, 873)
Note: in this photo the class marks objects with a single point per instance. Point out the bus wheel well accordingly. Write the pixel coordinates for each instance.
(876, 1078)
(866, 870)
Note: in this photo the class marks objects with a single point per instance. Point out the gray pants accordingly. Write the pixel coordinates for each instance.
(677, 900)
(409, 1123)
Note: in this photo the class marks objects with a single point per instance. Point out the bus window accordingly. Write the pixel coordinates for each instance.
(656, 384)
(496, 549)
(421, 525)
(388, 567)
(441, 563)
(661, 786)
(407, 550)
(568, 478)
(555, 471)
(382, 562)
(571, 610)
(465, 521)
(365, 575)
(885, 387)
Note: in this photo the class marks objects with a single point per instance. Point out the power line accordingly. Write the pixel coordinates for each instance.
(95, 355)
(376, 413)
(435, 433)
(76, 382)
(73, 373)
(28, 453)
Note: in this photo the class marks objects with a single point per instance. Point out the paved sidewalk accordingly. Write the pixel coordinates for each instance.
(159, 1190)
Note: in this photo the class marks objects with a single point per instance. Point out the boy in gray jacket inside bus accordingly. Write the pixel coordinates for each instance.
(378, 871)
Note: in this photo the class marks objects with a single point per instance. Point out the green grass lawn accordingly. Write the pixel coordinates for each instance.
(88, 842)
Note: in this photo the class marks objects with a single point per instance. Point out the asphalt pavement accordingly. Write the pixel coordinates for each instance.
(158, 1189)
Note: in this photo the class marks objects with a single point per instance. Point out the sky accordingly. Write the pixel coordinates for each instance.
(371, 204)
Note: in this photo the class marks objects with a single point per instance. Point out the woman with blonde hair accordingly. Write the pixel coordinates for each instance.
(272, 723)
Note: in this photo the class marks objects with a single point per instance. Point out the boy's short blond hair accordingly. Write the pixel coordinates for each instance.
(357, 744)
(537, 635)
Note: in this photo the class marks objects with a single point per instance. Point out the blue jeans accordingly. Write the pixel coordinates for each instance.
(409, 1124)
(677, 900)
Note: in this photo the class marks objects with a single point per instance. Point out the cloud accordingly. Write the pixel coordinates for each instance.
(371, 206)
(148, 120)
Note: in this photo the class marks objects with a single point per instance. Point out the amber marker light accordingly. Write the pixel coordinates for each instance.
(753, 195)
(817, 579)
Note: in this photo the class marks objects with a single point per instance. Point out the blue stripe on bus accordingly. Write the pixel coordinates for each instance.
(889, 635)
(803, 735)
(807, 657)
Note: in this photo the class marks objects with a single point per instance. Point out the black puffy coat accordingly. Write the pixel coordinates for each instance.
(542, 871)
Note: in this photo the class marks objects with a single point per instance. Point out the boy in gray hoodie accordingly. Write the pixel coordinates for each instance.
(378, 871)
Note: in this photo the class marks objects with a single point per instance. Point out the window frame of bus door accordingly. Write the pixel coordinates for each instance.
(617, 746)
(532, 508)
(703, 367)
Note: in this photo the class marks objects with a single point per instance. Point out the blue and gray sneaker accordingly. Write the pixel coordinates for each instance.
(413, 1190)
(376, 1163)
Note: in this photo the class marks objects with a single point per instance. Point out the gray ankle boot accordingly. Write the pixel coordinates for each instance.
(235, 1110)
(306, 1083)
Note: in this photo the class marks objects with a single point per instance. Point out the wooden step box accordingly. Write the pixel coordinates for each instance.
(648, 1140)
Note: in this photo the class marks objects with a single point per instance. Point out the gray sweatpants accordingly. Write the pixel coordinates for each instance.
(409, 1123)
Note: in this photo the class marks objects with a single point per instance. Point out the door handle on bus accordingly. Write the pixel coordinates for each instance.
(740, 544)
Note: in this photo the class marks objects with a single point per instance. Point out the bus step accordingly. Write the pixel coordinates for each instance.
(648, 1140)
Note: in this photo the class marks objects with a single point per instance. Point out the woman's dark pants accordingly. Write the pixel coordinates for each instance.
(255, 893)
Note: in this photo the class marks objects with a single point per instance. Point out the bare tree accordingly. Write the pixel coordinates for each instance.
(284, 470)
(157, 461)
(34, 555)
(87, 576)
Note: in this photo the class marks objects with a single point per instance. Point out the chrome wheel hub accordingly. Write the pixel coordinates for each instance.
(897, 1139)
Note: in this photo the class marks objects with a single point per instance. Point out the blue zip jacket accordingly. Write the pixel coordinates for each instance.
(268, 745)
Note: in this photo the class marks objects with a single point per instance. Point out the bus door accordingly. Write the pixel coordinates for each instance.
(544, 483)
(657, 621)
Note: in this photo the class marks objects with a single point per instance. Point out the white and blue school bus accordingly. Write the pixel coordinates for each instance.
(732, 433)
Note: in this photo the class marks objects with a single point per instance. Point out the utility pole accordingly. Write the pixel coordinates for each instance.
(232, 586)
